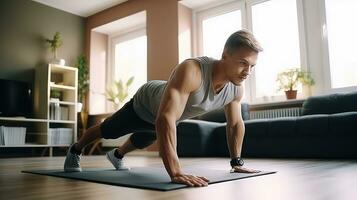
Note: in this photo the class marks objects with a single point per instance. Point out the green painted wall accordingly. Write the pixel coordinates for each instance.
(24, 25)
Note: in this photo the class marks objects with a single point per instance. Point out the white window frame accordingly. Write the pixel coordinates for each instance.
(326, 56)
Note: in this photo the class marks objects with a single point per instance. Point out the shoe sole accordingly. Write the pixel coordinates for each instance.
(72, 170)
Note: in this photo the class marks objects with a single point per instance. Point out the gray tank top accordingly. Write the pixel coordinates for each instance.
(147, 99)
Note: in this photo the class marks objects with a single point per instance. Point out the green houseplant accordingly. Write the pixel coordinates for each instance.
(83, 87)
(56, 43)
(118, 92)
(288, 81)
(83, 77)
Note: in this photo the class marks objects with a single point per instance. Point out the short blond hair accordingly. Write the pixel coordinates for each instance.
(242, 38)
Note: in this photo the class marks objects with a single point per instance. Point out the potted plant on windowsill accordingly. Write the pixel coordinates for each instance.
(288, 81)
(118, 92)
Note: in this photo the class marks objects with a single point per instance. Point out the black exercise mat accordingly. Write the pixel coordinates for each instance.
(155, 178)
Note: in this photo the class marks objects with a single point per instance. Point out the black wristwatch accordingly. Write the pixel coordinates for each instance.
(237, 162)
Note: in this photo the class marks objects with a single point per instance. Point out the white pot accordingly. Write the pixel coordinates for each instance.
(58, 61)
(79, 107)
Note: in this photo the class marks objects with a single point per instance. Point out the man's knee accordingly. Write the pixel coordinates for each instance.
(142, 139)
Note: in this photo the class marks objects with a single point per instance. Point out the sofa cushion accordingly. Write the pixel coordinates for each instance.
(218, 144)
(219, 116)
(329, 104)
(343, 124)
(256, 128)
(193, 137)
(282, 127)
(312, 126)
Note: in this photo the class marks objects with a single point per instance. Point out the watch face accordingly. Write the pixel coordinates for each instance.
(240, 162)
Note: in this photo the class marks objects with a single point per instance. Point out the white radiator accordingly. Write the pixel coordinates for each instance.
(275, 113)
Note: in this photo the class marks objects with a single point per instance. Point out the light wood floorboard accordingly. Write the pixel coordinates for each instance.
(296, 179)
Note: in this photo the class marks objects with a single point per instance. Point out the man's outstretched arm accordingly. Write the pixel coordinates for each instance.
(235, 132)
(185, 79)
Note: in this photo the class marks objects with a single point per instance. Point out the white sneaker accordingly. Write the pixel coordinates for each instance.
(116, 162)
(72, 162)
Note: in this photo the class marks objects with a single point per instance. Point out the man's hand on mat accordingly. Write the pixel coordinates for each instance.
(190, 180)
(240, 169)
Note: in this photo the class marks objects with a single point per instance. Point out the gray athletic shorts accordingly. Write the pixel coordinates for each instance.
(126, 121)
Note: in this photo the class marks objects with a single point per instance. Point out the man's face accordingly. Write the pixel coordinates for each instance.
(239, 64)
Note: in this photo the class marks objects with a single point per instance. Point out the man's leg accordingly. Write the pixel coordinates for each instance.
(91, 134)
(72, 161)
(137, 140)
(143, 139)
(126, 148)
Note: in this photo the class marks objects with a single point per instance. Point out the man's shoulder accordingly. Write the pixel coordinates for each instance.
(186, 75)
(191, 64)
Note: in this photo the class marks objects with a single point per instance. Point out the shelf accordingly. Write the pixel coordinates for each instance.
(36, 120)
(62, 69)
(62, 87)
(22, 119)
(64, 103)
(62, 121)
(39, 132)
(35, 145)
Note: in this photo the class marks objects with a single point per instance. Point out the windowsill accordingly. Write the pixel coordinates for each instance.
(277, 104)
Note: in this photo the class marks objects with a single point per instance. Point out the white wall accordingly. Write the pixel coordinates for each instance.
(97, 98)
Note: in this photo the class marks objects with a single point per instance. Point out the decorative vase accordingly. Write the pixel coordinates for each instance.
(79, 106)
(291, 94)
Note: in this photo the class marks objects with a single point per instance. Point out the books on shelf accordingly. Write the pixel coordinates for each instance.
(58, 136)
(64, 113)
(12, 135)
(58, 112)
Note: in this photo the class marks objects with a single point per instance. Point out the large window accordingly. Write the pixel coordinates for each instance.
(217, 29)
(341, 19)
(215, 25)
(130, 59)
(275, 24)
(318, 36)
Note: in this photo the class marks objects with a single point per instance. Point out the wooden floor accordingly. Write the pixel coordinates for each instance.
(296, 179)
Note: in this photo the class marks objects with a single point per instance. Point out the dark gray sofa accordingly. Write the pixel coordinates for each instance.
(326, 129)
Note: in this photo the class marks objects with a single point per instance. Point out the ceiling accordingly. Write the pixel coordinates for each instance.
(135, 21)
(202, 4)
(83, 8)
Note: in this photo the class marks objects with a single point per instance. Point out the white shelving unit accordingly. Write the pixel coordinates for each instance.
(49, 78)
